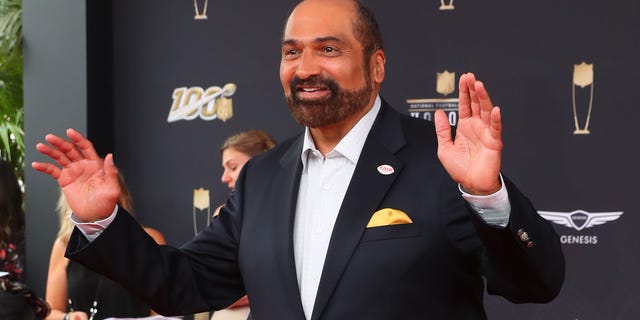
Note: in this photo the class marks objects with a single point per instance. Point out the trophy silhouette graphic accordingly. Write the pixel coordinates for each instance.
(199, 15)
(582, 77)
(446, 6)
(201, 202)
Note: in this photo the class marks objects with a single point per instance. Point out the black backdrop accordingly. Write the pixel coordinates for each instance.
(139, 52)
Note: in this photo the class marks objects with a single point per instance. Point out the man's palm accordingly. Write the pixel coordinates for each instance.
(473, 157)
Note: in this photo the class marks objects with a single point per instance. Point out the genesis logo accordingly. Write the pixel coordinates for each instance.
(580, 219)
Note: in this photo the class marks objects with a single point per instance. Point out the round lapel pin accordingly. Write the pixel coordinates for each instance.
(385, 169)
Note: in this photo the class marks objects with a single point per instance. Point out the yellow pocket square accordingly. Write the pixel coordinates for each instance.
(387, 217)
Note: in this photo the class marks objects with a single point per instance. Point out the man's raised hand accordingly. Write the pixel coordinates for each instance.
(472, 158)
(89, 183)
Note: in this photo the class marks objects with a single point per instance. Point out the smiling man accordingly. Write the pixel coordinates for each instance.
(367, 214)
(330, 78)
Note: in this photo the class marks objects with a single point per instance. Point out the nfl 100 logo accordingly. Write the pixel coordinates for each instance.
(213, 103)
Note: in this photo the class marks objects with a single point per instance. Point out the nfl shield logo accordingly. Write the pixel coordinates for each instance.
(446, 82)
(582, 74)
(201, 198)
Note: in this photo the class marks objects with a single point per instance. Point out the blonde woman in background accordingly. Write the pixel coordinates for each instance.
(77, 293)
(238, 149)
(235, 152)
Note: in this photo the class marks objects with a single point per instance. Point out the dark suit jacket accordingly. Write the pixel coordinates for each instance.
(430, 269)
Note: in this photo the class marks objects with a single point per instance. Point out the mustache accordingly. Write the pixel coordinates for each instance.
(315, 81)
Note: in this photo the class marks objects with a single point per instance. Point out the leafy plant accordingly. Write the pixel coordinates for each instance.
(11, 95)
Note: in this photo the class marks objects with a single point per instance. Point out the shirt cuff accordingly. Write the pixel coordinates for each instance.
(494, 209)
(92, 230)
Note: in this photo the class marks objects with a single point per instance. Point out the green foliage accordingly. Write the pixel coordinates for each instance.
(10, 25)
(11, 94)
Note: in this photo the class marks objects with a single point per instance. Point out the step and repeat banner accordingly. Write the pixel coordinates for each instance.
(189, 73)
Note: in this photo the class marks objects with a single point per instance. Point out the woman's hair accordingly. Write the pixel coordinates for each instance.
(11, 212)
(251, 142)
(63, 209)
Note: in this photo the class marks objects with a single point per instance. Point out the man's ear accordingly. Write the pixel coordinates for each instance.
(378, 60)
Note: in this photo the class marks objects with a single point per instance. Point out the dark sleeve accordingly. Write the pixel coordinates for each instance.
(201, 275)
(521, 267)
(522, 271)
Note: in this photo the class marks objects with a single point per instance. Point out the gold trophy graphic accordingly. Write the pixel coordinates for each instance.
(203, 15)
(201, 202)
(582, 77)
(446, 6)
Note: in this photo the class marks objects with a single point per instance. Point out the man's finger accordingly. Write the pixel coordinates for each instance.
(443, 129)
(475, 104)
(464, 100)
(110, 169)
(64, 146)
(83, 144)
(495, 128)
(53, 153)
(484, 102)
(111, 175)
(47, 168)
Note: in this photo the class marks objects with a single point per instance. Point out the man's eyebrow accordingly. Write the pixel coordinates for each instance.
(289, 42)
(328, 38)
(316, 40)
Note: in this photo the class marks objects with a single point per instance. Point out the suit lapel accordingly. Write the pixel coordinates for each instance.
(366, 190)
(288, 179)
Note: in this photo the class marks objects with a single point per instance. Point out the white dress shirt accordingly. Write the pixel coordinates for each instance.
(323, 184)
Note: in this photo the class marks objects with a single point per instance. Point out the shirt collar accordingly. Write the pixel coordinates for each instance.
(351, 145)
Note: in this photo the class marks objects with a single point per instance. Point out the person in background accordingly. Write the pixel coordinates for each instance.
(235, 152)
(238, 149)
(17, 301)
(77, 293)
(11, 224)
